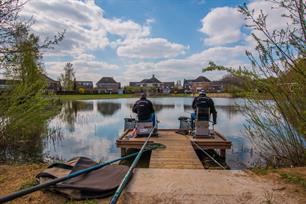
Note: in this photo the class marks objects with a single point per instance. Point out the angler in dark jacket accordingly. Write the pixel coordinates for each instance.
(205, 102)
(144, 109)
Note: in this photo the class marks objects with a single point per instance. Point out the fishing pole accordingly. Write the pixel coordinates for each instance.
(72, 175)
(129, 173)
(198, 146)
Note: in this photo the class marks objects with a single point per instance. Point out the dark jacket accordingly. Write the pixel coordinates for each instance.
(143, 108)
(205, 102)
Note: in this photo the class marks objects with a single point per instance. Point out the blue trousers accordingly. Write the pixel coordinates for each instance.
(153, 119)
(193, 117)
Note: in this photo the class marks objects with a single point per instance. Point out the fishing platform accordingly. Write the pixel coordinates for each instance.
(180, 149)
(176, 174)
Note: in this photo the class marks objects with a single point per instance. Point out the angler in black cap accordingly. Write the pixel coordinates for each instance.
(144, 109)
(203, 101)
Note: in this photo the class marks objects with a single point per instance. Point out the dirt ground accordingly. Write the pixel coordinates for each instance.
(16, 177)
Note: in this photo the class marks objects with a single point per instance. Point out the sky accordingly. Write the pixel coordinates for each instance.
(131, 40)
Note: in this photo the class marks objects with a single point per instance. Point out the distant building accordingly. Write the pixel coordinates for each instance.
(52, 85)
(194, 85)
(153, 82)
(108, 85)
(197, 84)
(215, 87)
(84, 86)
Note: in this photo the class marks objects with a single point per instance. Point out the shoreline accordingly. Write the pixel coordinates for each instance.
(120, 96)
(14, 177)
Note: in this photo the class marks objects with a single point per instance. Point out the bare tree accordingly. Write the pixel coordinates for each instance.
(67, 79)
(278, 72)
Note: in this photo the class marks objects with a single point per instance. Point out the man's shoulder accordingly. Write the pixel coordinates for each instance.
(143, 100)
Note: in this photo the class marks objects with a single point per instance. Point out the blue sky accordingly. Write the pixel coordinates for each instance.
(133, 39)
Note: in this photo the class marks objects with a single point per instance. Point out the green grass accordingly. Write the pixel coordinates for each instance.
(94, 96)
(294, 179)
(2, 178)
(28, 183)
(262, 171)
(81, 202)
(112, 96)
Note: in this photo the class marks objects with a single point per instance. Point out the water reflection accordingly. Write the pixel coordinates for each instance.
(70, 111)
(90, 128)
(231, 110)
(157, 107)
(108, 108)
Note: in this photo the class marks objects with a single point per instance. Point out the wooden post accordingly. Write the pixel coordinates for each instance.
(123, 152)
(223, 153)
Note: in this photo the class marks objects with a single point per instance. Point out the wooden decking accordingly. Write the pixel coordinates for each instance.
(178, 154)
(175, 173)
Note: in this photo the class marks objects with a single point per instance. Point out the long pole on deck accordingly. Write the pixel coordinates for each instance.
(69, 176)
(128, 175)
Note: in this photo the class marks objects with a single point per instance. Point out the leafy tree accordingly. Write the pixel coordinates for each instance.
(278, 72)
(233, 84)
(67, 79)
(132, 89)
(25, 108)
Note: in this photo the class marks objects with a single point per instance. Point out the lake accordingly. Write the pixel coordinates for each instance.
(90, 127)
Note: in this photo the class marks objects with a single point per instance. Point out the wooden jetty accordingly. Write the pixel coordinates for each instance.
(176, 175)
(170, 169)
(179, 152)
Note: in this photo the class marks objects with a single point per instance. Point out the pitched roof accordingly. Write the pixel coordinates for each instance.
(48, 78)
(201, 79)
(108, 80)
(153, 79)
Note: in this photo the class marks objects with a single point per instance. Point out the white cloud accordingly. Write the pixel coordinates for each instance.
(88, 31)
(150, 48)
(222, 26)
(81, 20)
(127, 28)
(274, 20)
(87, 67)
(190, 67)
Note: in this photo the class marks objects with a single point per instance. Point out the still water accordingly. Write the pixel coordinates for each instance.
(90, 128)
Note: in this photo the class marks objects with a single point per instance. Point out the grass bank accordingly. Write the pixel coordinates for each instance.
(115, 96)
(296, 176)
(14, 177)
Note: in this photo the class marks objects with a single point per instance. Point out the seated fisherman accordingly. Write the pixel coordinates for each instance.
(144, 109)
(203, 101)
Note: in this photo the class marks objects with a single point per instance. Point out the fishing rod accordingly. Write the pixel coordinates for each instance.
(198, 146)
(75, 174)
(129, 173)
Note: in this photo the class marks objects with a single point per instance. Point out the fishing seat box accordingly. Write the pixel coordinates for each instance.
(202, 123)
(202, 128)
(143, 129)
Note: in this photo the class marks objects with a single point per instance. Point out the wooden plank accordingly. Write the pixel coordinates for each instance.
(174, 141)
(178, 154)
